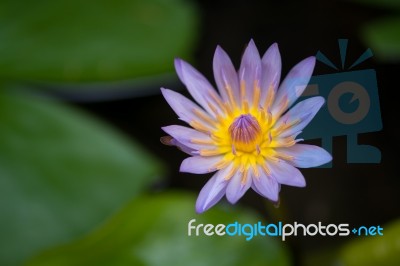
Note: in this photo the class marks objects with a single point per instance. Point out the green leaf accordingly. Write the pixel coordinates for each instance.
(61, 174)
(384, 39)
(93, 40)
(152, 230)
(374, 250)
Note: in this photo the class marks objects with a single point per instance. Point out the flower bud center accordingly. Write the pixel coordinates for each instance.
(245, 133)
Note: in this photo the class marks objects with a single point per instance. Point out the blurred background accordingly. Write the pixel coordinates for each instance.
(84, 179)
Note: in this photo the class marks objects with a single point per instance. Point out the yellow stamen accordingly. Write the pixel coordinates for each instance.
(262, 112)
(200, 126)
(266, 169)
(215, 137)
(242, 90)
(210, 152)
(228, 109)
(203, 116)
(224, 106)
(244, 177)
(283, 106)
(270, 97)
(220, 119)
(216, 98)
(242, 167)
(283, 142)
(230, 95)
(230, 173)
(285, 156)
(257, 93)
(246, 106)
(283, 126)
(202, 141)
(213, 108)
(221, 164)
(269, 117)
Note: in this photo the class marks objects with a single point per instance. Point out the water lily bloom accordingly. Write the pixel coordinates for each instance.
(245, 131)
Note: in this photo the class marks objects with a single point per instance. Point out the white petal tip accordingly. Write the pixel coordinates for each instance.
(325, 157)
(177, 61)
(165, 92)
(185, 167)
(165, 129)
(178, 67)
(320, 99)
(310, 61)
(252, 45)
(299, 182)
(232, 201)
(200, 210)
(203, 206)
(274, 199)
(302, 184)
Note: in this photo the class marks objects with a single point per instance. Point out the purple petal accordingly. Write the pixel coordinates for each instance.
(212, 191)
(294, 84)
(225, 74)
(197, 85)
(286, 174)
(278, 142)
(200, 164)
(250, 69)
(305, 156)
(185, 136)
(304, 111)
(236, 189)
(181, 105)
(271, 70)
(266, 186)
(168, 140)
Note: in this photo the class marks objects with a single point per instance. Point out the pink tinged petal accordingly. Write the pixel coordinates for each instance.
(305, 156)
(213, 190)
(250, 70)
(293, 85)
(286, 174)
(182, 106)
(266, 186)
(237, 186)
(185, 136)
(300, 115)
(197, 85)
(271, 70)
(200, 164)
(225, 75)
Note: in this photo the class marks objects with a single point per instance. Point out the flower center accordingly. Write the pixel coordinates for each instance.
(245, 133)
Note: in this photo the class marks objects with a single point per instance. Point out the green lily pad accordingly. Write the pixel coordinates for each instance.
(374, 250)
(93, 40)
(383, 38)
(61, 174)
(153, 230)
